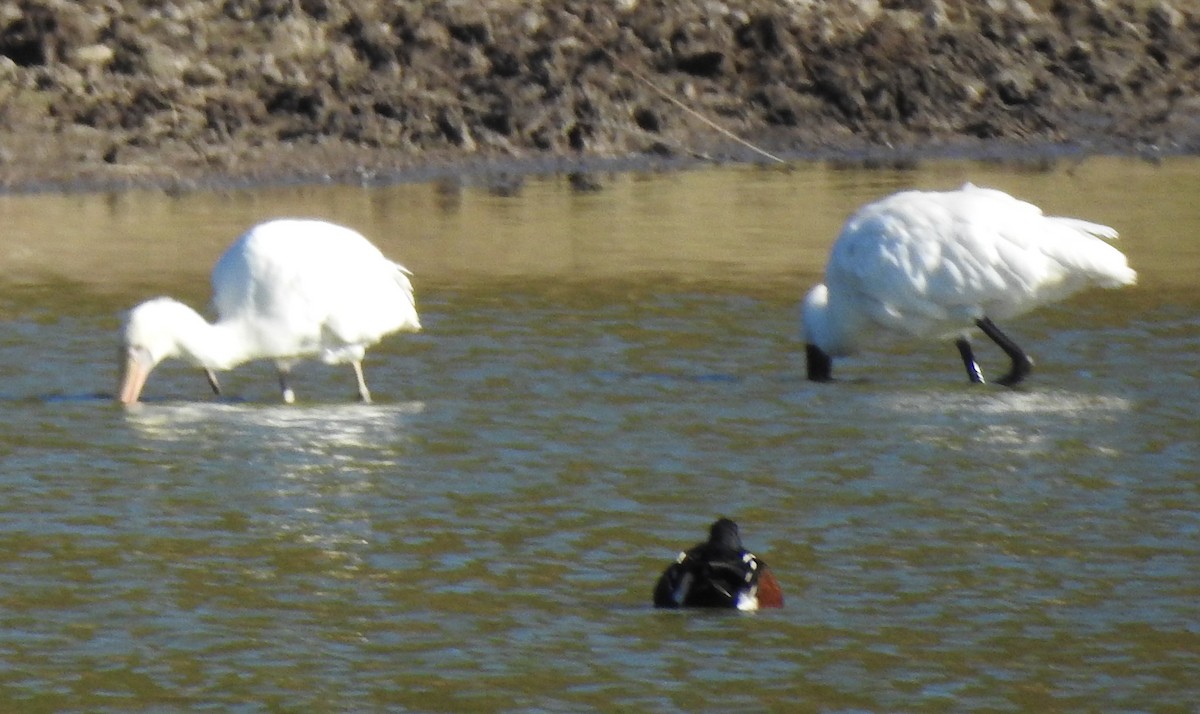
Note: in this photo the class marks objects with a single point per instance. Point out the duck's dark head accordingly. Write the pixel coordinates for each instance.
(725, 534)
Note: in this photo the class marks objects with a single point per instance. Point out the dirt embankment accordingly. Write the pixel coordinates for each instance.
(124, 92)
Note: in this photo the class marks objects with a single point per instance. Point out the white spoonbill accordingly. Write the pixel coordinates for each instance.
(930, 264)
(285, 290)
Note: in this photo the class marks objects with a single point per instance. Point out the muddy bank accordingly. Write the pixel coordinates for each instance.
(189, 92)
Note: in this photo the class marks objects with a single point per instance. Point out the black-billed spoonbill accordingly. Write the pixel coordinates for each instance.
(718, 573)
(285, 290)
(929, 264)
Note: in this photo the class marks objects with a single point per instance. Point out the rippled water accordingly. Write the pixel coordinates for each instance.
(601, 375)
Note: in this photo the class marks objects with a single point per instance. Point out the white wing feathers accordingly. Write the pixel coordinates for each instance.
(919, 261)
(301, 287)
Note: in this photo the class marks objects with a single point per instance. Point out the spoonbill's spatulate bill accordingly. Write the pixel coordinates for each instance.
(285, 290)
(935, 264)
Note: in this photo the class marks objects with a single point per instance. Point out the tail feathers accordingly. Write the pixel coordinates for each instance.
(1100, 231)
(1120, 278)
(402, 276)
(1110, 271)
(1109, 268)
(1104, 265)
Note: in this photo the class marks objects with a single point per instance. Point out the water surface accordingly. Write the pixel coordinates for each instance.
(602, 374)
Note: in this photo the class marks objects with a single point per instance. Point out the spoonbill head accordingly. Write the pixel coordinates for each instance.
(286, 290)
(927, 264)
(154, 331)
(718, 573)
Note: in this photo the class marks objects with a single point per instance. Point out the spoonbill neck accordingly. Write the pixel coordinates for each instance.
(230, 343)
(220, 346)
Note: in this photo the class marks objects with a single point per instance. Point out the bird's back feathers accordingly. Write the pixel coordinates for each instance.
(321, 288)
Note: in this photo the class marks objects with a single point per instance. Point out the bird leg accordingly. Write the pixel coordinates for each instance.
(1022, 365)
(820, 366)
(363, 395)
(289, 396)
(968, 357)
(212, 381)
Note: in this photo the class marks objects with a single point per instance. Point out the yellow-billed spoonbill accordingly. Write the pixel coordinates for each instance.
(930, 264)
(285, 290)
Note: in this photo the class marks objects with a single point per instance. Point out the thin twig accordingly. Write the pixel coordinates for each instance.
(670, 98)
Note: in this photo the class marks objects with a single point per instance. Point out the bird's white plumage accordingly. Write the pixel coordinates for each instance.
(924, 263)
(304, 287)
(285, 290)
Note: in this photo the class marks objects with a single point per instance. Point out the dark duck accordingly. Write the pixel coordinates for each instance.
(718, 573)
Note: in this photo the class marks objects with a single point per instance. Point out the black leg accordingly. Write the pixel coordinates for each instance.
(212, 381)
(968, 357)
(1021, 364)
(820, 366)
(289, 396)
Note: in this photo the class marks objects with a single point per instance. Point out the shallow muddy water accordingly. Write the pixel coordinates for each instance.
(601, 375)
